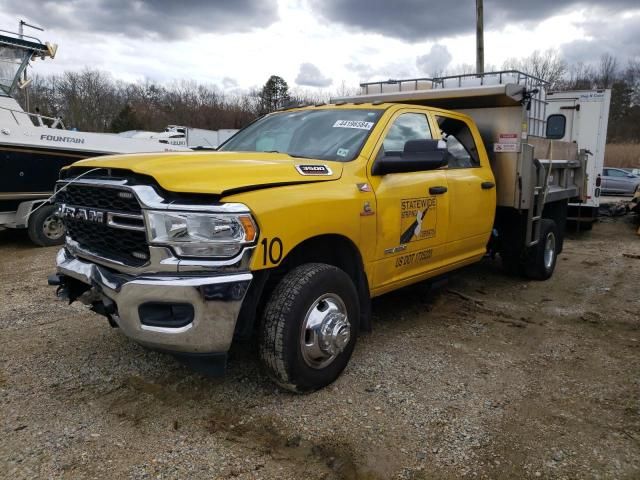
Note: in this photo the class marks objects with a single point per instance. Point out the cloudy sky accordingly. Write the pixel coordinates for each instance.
(315, 44)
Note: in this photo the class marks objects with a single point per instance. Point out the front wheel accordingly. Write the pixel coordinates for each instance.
(45, 228)
(541, 259)
(309, 327)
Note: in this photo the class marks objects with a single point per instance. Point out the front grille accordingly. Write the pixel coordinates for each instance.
(111, 199)
(126, 246)
(122, 245)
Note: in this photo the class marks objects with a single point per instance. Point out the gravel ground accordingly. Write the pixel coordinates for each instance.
(488, 376)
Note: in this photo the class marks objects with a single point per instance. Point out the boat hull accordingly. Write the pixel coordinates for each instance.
(31, 172)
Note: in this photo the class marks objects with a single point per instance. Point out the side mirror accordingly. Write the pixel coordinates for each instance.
(418, 156)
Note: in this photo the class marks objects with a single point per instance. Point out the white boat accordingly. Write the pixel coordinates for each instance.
(33, 147)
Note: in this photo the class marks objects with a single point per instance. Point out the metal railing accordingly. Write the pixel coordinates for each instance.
(535, 87)
(12, 37)
(37, 119)
(457, 81)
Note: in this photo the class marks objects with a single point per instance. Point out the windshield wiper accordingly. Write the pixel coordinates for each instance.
(294, 155)
(301, 156)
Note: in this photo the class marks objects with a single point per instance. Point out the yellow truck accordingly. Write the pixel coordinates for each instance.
(290, 229)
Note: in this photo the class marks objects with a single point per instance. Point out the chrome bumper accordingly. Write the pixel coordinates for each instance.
(216, 301)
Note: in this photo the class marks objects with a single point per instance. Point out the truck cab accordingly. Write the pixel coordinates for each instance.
(290, 229)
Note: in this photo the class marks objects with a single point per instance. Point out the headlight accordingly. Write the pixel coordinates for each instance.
(201, 234)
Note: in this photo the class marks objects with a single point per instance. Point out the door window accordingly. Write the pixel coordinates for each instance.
(556, 126)
(616, 173)
(461, 147)
(408, 126)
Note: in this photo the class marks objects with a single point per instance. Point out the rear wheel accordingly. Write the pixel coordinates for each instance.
(309, 327)
(45, 228)
(541, 259)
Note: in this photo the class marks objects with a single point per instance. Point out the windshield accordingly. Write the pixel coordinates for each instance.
(11, 60)
(326, 134)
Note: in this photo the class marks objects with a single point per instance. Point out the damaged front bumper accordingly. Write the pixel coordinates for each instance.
(179, 313)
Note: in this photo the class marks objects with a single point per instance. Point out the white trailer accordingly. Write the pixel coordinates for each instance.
(581, 116)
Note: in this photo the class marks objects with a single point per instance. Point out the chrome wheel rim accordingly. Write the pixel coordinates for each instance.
(326, 331)
(52, 227)
(549, 250)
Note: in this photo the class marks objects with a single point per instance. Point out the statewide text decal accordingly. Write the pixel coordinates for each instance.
(417, 219)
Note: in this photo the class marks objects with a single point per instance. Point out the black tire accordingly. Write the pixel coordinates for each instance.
(281, 336)
(45, 228)
(541, 259)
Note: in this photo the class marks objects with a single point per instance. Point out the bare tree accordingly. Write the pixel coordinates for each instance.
(607, 71)
(632, 74)
(344, 91)
(463, 69)
(579, 77)
(547, 65)
(88, 100)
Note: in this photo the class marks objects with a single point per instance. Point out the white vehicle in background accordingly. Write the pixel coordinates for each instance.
(196, 138)
(581, 116)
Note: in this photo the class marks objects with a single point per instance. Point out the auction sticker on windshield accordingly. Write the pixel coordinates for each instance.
(353, 124)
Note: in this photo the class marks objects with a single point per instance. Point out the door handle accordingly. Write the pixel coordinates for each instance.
(437, 190)
(487, 185)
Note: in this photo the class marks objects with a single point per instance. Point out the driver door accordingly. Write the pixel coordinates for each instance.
(412, 209)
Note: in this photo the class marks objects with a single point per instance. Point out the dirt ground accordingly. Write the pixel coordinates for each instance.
(488, 376)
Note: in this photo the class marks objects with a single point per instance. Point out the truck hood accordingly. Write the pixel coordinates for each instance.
(220, 173)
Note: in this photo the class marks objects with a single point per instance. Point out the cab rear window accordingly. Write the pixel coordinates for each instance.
(461, 147)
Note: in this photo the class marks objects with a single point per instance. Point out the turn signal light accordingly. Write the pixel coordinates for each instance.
(249, 228)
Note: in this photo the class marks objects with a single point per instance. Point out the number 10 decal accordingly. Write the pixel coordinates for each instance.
(272, 248)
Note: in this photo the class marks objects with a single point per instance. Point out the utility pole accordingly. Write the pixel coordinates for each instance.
(479, 37)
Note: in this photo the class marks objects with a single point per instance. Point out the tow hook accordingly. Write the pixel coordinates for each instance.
(56, 280)
(71, 289)
(68, 288)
